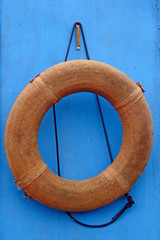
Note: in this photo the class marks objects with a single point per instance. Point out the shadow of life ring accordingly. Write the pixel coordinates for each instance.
(46, 89)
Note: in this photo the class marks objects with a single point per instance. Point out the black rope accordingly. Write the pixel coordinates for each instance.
(56, 137)
(126, 206)
(130, 201)
(70, 40)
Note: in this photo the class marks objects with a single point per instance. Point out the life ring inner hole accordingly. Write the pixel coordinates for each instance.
(83, 149)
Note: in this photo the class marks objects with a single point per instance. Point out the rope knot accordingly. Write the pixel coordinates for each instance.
(130, 200)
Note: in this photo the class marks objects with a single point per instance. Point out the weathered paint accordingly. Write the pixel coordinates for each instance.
(35, 35)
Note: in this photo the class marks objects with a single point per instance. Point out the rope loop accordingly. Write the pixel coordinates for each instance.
(129, 198)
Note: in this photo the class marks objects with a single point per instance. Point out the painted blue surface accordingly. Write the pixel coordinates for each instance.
(34, 36)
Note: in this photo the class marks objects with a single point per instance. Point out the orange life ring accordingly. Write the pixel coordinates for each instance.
(27, 166)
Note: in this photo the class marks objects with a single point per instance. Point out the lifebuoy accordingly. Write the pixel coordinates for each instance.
(27, 166)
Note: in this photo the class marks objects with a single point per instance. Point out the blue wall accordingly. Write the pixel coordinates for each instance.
(35, 35)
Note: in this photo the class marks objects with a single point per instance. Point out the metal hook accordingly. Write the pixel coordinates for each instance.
(78, 37)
